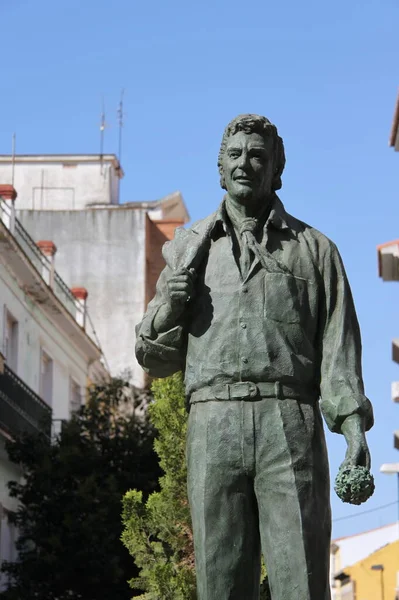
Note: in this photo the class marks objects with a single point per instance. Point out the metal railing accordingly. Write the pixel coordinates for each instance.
(64, 294)
(21, 409)
(41, 262)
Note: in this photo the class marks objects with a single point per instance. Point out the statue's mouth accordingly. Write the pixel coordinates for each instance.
(243, 180)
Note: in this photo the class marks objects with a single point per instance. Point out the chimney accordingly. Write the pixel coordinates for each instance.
(48, 249)
(7, 210)
(80, 294)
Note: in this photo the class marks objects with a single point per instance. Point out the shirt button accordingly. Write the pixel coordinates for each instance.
(244, 360)
(243, 325)
(245, 290)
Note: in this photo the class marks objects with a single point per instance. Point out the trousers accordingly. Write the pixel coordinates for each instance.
(258, 480)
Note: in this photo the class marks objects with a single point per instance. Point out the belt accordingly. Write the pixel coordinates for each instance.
(246, 390)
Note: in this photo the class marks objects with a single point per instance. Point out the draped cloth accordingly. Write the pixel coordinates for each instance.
(249, 245)
(247, 230)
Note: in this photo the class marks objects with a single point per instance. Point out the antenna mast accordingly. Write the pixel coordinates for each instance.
(120, 119)
(13, 159)
(102, 128)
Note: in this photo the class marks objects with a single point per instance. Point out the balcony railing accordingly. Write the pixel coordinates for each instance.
(21, 409)
(41, 262)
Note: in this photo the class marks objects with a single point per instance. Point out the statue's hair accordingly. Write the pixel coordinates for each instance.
(255, 124)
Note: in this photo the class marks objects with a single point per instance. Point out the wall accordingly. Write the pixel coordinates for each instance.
(62, 186)
(102, 249)
(36, 331)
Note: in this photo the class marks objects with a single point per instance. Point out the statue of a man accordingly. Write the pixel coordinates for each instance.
(255, 307)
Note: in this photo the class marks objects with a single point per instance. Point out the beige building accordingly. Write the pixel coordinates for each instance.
(112, 249)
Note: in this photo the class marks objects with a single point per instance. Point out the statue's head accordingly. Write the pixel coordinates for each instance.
(251, 158)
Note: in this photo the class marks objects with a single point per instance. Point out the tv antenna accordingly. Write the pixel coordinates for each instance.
(121, 115)
(102, 129)
(13, 159)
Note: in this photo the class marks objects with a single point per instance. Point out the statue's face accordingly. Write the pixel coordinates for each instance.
(248, 167)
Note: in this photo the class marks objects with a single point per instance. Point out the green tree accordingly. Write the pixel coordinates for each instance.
(70, 499)
(157, 532)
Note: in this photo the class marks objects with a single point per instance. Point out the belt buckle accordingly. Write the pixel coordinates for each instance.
(243, 390)
(221, 391)
(253, 389)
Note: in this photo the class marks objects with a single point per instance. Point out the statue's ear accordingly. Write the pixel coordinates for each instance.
(277, 183)
(279, 159)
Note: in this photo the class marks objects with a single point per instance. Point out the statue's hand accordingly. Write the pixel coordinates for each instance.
(180, 291)
(357, 453)
(354, 482)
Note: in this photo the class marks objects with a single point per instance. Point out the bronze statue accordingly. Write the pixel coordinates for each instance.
(255, 307)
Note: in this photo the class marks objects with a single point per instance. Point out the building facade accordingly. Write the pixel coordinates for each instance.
(388, 265)
(47, 356)
(366, 566)
(62, 182)
(113, 249)
(377, 576)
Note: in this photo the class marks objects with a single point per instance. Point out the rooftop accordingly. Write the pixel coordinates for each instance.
(171, 207)
(63, 158)
(356, 547)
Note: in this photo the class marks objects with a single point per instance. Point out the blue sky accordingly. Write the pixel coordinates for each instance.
(324, 73)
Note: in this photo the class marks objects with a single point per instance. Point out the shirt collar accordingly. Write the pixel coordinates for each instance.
(277, 217)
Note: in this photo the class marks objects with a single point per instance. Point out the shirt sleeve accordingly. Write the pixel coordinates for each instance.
(159, 354)
(341, 384)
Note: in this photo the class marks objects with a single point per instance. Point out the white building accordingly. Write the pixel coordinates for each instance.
(46, 355)
(113, 249)
(63, 182)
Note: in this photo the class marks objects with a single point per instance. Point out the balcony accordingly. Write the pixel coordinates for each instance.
(41, 262)
(21, 410)
(388, 261)
(37, 277)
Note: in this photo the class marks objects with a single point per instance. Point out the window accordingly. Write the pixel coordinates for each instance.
(11, 341)
(75, 396)
(46, 377)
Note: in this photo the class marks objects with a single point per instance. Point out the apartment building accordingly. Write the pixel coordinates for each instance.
(48, 353)
(111, 248)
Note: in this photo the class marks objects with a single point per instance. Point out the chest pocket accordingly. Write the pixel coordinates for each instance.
(286, 298)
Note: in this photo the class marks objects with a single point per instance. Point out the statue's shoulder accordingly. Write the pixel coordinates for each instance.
(202, 225)
(185, 235)
(188, 242)
(318, 243)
